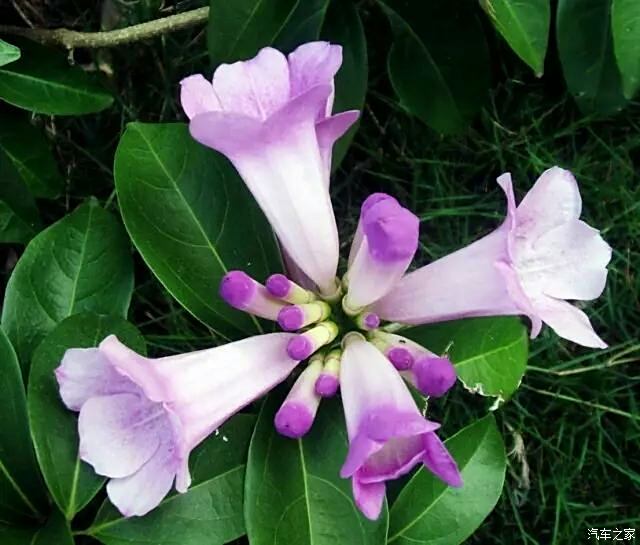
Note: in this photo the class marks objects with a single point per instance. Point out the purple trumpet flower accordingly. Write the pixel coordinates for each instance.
(271, 116)
(140, 418)
(388, 435)
(541, 255)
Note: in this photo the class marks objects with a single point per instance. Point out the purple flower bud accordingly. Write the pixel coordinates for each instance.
(434, 376)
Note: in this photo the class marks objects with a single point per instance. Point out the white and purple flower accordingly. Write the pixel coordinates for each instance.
(540, 256)
(140, 418)
(271, 116)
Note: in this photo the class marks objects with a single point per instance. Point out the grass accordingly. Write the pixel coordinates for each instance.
(573, 429)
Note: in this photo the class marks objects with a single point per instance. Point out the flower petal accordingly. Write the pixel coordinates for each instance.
(86, 373)
(368, 497)
(438, 460)
(281, 165)
(360, 448)
(463, 284)
(257, 87)
(313, 63)
(119, 433)
(135, 367)
(568, 321)
(398, 456)
(567, 262)
(553, 200)
(141, 492)
(328, 131)
(371, 386)
(197, 96)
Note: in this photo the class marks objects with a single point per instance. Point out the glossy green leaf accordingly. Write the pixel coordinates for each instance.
(303, 25)
(209, 513)
(42, 81)
(490, 354)
(21, 489)
(625, 24)
(238, 30)
(524, 24)
(293, 491)
(428, 512)
(439, 77)
(80, 263)
(8, 53)
(343, 26)
(28, 149)
(56, 531)
(19, 217)
(192, 219)
(54, 428)
(585, 46)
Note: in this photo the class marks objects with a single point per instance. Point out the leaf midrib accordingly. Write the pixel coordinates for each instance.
(95, 95)
(491, 352)
(437, 498)
(195, 219)
(431, 61)
(523, 33)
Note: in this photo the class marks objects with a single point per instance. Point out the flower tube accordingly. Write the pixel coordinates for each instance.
(140, 418)
(387, 433)
(540, 256)
(270, 116)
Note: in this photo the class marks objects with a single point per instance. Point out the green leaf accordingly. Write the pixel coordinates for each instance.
(56, 531)
(343, 26)
(490, 354)
(19, 217)
(21, 490)
(427, 511)
(585, 46)
(13, 535)
(238, 30)
(54, 428)
(28, 150)
(209, 513)
(524, 24)
(192, 219)
(439, 77)
(8, 53)
(42, 81)
(81, 263)
(293, 491)
(625, 24)
(303, 25)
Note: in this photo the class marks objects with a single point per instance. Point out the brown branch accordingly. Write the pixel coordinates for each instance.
(72, 38)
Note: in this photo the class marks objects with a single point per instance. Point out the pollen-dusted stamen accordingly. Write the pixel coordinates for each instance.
(368, 321)
(328, 381)
(296, 415)
(294, 317)
(241, 291)
(305, 344)
(434, 376)
(279, 286)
